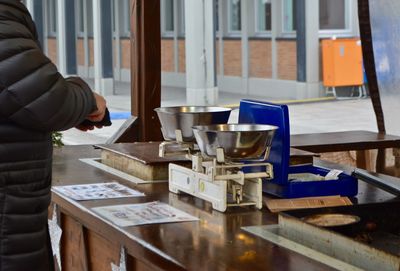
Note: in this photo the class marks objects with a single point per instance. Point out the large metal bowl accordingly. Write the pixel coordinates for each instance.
(239, 141)
(184, 117)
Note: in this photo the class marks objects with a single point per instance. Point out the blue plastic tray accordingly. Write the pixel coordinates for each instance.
(346, 185)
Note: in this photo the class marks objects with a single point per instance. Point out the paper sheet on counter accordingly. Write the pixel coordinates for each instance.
(96, 191)
(278, 205)
(143, 213)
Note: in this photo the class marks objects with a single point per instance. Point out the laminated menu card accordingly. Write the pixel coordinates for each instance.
(94, 191)
(142, 213)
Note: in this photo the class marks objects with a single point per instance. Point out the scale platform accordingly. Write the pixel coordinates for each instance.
(278, 115)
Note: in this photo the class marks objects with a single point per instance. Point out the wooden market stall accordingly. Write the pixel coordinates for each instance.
(215, 242)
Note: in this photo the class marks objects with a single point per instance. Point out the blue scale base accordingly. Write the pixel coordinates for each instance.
(267, 113)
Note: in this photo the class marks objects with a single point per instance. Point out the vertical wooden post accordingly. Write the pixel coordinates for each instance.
(146, 67)
(369, 61)
(369, 66)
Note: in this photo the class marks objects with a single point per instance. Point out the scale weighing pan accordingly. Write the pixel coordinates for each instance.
(239, 141)
(184, 117)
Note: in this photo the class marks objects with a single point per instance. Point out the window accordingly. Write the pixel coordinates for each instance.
(332, 14)
(127, 18)
(80, 10)
(263, 16)
(52, 18)
(167, 17)
(234, 14)
(89, 15)
(217, 4)
(120, 18)
(289, 16)
(182, 18)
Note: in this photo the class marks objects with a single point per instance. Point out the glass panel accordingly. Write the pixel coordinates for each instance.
(127, 21)
(217, 15)
(234, 15)
(385, 27)
(52, 18)
(81, 27)
(113, 16)
(169, 15)
(264, 15)
(183, 17)
(90, 17)
(289, 16)
(332, 14)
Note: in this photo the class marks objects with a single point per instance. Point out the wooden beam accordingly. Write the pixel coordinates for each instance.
(146, 67)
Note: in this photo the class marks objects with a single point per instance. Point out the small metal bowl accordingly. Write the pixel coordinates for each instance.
(239, 141)
(184, 117)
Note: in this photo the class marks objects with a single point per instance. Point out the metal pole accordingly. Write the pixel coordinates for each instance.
(66, 37)
(200, 52)
(86, 37)
(102, 38)
(117, 38)
(245, 45)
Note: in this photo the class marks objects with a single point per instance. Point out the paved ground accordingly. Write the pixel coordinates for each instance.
(327, 116)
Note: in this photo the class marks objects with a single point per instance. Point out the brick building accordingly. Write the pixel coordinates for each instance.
(257, 50)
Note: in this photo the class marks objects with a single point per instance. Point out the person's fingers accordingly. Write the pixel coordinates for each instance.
(101, 105)
(84, 128)
(81, 129)
(96, 118)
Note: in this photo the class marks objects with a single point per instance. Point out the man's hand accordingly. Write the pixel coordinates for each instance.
(98, 115)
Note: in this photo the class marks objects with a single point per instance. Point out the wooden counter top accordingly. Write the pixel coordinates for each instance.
(343, 141)
(216, 242)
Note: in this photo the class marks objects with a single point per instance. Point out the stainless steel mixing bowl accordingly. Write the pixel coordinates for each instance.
(239, 141)
(184, 117)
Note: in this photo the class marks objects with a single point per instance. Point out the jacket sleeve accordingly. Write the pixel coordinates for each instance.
(36, 96)
(33, 94)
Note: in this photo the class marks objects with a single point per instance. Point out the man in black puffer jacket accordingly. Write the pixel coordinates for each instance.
(34, 101)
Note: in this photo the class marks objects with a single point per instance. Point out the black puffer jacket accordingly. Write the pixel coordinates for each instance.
(34, 101)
